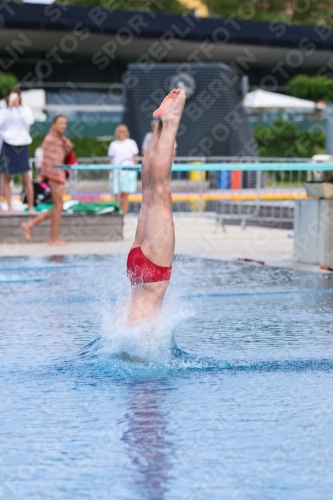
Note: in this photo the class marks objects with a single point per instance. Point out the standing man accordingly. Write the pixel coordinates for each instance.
(56, 149)
(148, 138)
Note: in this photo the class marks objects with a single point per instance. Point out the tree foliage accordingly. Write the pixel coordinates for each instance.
(309, 12)
(7, 81)
(284, 140)
(173, 6)
(281, 11)
(316, 88)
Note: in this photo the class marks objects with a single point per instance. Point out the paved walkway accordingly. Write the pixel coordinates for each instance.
(195, 235)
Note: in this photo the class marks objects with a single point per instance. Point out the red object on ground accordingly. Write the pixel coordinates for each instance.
(236, 179)
(261, 262)
(326, 268)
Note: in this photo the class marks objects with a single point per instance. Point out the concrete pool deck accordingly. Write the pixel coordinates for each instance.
(195, 236)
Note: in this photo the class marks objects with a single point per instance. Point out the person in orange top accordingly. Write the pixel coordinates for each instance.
(56, 149)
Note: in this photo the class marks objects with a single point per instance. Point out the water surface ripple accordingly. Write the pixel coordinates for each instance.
(231, 399)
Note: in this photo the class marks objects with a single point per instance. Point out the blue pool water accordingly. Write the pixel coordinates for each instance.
(234, 398)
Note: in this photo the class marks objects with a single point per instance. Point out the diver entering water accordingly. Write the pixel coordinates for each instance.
(149, 261)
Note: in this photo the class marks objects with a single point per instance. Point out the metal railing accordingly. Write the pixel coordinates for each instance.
(232, 187)
(274, 173)
(229, 188)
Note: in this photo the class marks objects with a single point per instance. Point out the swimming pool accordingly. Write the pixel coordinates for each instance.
(240, 407)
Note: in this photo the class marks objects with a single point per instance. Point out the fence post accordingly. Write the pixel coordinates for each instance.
(75, 184)
(200, 192)
(258, 179)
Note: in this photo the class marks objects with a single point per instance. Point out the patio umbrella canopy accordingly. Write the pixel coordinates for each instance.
(261, 99)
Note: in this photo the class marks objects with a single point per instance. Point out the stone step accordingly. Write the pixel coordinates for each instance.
(74, 227)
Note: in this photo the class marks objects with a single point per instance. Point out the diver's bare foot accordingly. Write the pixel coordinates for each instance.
(26, 231)
(58, 243)
(165, 104)
(32, 211)
(171, 107)
(9, 212)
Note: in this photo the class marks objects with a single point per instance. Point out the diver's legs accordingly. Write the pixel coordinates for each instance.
(159, 233)
(145, 177)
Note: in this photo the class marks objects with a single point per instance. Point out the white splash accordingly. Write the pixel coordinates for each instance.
(148, 342)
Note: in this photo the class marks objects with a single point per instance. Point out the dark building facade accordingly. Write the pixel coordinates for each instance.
(80, 56)
(214, 122)
(51, 45)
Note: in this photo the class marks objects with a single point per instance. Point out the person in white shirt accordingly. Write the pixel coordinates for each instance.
(123, 151)
(15, 122)
(1, 174)
(148, 138)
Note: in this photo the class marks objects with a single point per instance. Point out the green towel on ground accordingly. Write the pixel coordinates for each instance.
(77, 207)
(43, 207)
(94, 208)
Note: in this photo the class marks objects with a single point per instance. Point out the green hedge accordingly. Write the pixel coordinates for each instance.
(83, 147)
(315, 88)
(283, 139)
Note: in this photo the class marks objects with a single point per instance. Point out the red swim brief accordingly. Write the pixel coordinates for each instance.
(142, 270)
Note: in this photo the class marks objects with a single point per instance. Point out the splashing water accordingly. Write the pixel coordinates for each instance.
(147, 343)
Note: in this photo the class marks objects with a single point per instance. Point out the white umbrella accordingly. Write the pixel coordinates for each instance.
(261, 99)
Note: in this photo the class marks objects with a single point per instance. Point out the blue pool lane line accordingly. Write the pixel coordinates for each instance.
(214, 167)
(251, 293)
